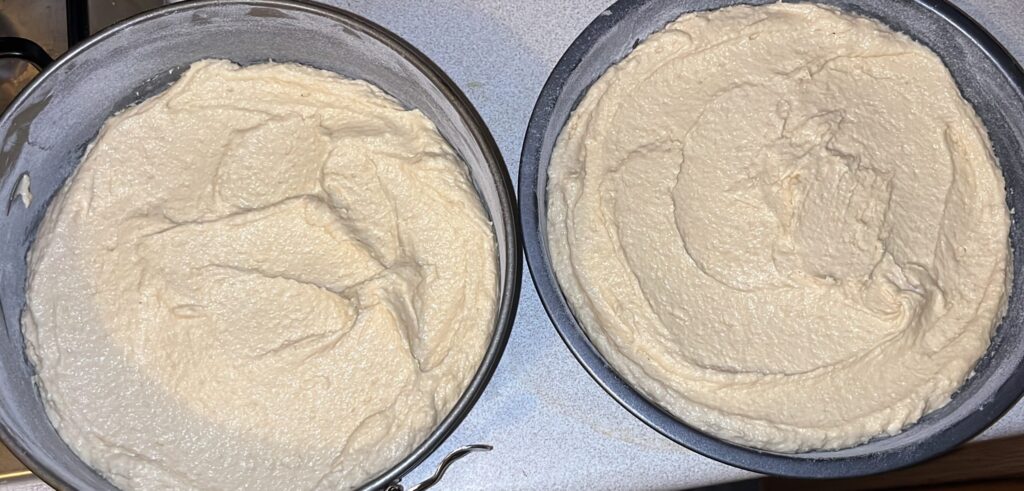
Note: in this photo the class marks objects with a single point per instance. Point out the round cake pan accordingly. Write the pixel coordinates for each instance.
(987, 76)
(47, 128)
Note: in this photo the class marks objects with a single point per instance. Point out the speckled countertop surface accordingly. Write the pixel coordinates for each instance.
(551, 425)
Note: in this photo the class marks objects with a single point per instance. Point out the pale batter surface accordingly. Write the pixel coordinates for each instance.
(264, 278)
(783, 224)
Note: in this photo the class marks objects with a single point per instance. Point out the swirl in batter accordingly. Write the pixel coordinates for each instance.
(267, 277)
(783, 224)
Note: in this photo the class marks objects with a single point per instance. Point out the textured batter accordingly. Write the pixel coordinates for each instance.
(264, 278)
(783, 224)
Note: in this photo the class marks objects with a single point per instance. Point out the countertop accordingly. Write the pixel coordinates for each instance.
(551, 425)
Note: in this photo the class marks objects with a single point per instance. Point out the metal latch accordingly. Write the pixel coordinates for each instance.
(439, 473)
